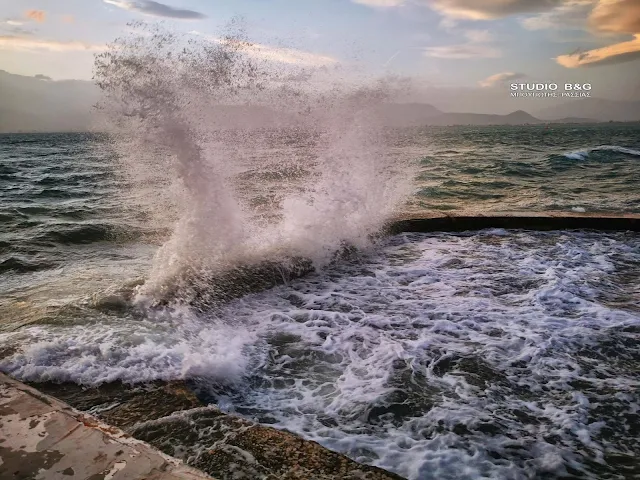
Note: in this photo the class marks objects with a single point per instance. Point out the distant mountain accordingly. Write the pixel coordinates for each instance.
(40, 104)
(573, 120)
(595, 108)
(407, 114)
(519, 117)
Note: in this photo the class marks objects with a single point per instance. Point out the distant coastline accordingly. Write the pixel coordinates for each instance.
(40, 105)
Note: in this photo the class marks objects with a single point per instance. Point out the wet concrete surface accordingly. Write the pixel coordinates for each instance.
(42, 438)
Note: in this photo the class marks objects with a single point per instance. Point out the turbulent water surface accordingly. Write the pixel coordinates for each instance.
(585, 168)
(498, 354)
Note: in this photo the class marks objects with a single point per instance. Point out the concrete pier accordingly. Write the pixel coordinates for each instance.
(43, 438)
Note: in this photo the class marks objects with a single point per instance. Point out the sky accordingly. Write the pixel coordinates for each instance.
(472, 45)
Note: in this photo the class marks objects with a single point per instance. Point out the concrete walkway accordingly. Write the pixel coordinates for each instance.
(42, 438)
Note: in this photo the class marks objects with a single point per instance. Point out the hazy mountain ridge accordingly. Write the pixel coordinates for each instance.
(596, 108)
(38, 104)
(518, 117)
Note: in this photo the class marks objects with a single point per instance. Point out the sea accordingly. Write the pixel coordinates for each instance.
(502, 354)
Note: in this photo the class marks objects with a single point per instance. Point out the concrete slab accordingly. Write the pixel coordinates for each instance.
(43, 438)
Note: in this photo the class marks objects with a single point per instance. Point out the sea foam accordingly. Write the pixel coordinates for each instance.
(495, 355)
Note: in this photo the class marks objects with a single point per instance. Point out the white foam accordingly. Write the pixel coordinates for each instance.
(477, 340)
(156, 349)
(583, 154)
(579, 155)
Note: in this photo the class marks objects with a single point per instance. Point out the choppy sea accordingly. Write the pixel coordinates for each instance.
(492, 354)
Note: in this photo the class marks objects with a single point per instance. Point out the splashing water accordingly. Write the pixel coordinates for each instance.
(198, 111)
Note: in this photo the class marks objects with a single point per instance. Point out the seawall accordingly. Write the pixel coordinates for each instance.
(43, 438)
(529, 221)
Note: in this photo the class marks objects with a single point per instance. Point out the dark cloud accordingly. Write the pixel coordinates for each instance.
(157, 9)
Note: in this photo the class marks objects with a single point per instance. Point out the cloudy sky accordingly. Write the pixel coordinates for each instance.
(472, 44)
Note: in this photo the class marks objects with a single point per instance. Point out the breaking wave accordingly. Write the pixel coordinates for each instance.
(583, 154)
(190, 113)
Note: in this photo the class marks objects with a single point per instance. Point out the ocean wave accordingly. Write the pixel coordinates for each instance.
(494, 355)
(21, 265)
(66, 234)
(583, 154)
(159, 349)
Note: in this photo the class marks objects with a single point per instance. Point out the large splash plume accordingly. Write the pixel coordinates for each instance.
(260, 160)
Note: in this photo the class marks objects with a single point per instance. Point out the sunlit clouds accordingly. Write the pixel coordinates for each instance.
(616, 53)
(36, 15)
(32, 44)
(285, 55)
(475, 44)
(500, 79)
(617, 16)
(610, 17)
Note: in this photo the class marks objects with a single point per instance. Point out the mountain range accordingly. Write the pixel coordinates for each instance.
(39, 104)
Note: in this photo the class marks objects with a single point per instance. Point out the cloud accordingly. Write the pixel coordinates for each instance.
(14, 27)
(289, 55)
(479, 36)
(36, 15)
(616, 16)
(285, 55)
(610, 16)
(19, 31)
(68, 19)
(380, 3)
(460, 52)
(489, 9)
(478, 46)
(156, 9)
(570, 15)
(612, 54)
(23, 43)
(500, 78)
(473, 9)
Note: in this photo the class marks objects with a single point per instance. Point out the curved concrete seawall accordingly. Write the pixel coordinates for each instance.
(528, 221)
(43, 438)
